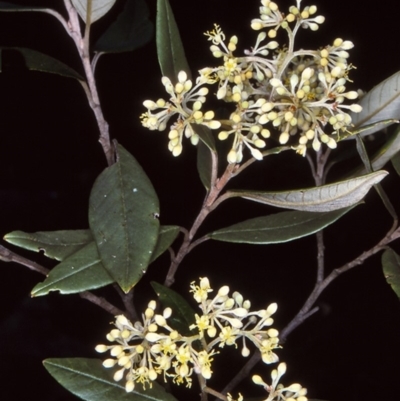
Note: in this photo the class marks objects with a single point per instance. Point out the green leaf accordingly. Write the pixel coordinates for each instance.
(206, 154)
(391, 269)
(55, 244)
(396, 163)
(36, 61)
(182, 314)
(171, 54)
(123, 217)
(204, 164)
(89, 380)
(318, 199)
(99, 8)
(205, 135)
(381, 103)
(387, 151)
(80, 272)
(277, 228)
(166, 237)
(131, 30)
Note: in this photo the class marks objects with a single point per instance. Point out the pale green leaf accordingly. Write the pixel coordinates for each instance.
(391, 269)
(131, 30)
(318, 199)
(123, 217)
(381, 103)
(171, 55)
(80, 272)
(90, 381)
(36, 61)
(54, 244)
(99, 8)
(277, 228)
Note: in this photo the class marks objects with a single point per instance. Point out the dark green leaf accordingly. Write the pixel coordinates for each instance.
(131, 30)
(171, 54)
(396, 163)
(391, 269)
(166, 237)
(80, 272)
(206, 154)
(318, 199)
(99, 8)
(6, 6)
(204, 164)
(123, 217)
(37, 61)
(55, 244)
(89, 380)
(182, 314)
(205, 135)
(277, 228)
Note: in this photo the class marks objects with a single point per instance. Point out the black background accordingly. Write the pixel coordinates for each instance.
(49, 159)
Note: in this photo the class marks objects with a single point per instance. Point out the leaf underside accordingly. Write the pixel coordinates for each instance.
(379, 104)
(99, 8)
(318, 199)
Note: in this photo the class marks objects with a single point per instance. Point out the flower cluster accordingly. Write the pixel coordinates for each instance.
(278, 392)
(226, 319)
(152, 348)
(185, 102)
(296, 97)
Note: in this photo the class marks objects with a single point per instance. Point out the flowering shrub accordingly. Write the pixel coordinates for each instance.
(275, 97)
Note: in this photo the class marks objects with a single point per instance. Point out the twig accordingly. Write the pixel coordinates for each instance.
(127, 299)
(220, 396)
(301, 316)
(101, 302)
(206, 209)
(320, 256)
(244, 372)
(82, 45)
(306, 311)
(203, 385)
(9, 256)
